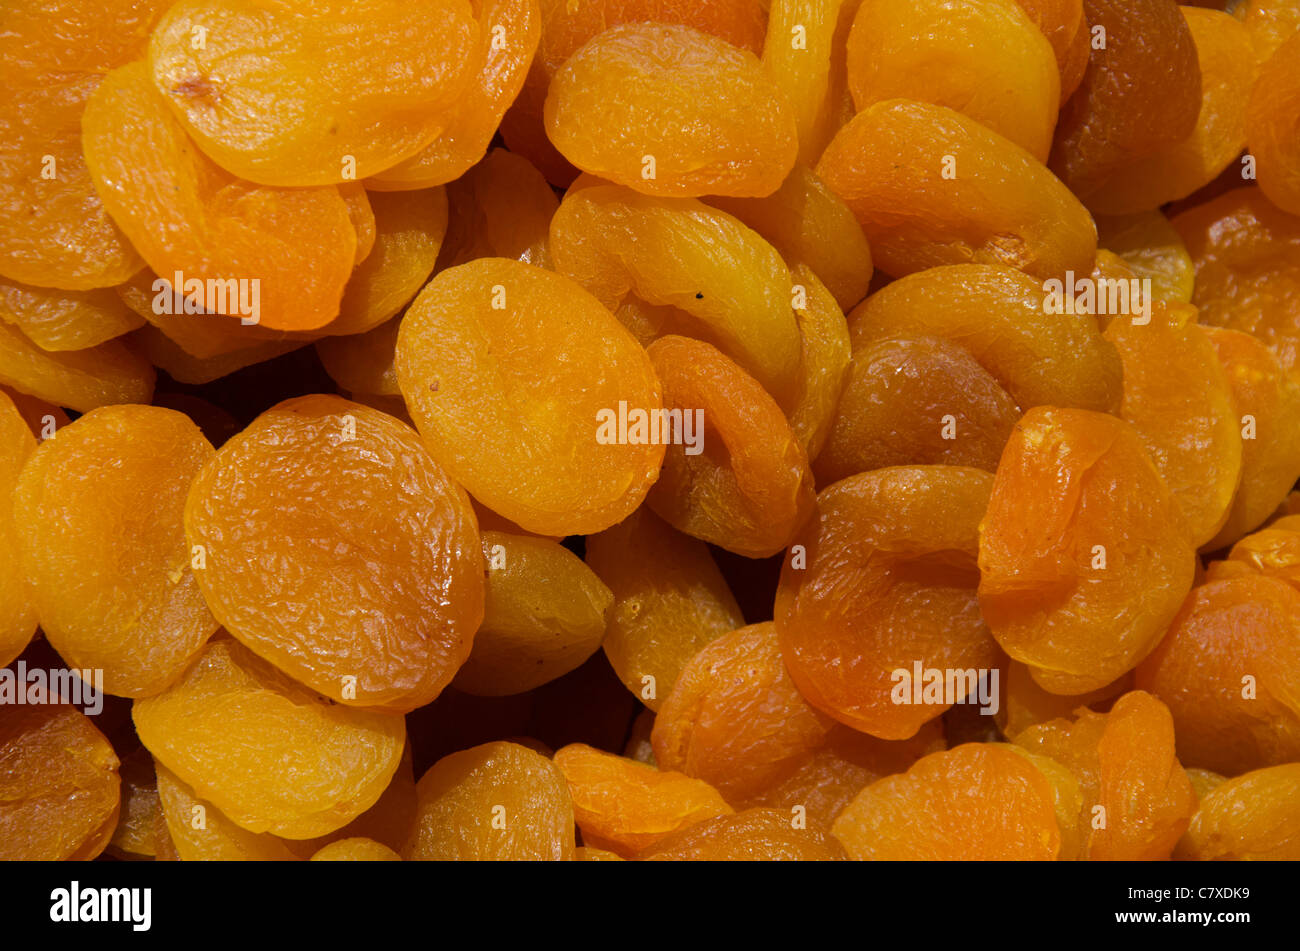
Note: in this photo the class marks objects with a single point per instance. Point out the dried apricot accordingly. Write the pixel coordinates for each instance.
(493, 802)
(78, 379)
(59, 785)
(755, 835)
(1082, 560)
(544, 615)
(199, 832)
(984, 58)
(1270, 126)
(1227, 668)
(1152, 249)
(931, 186)
(267, 752)
(393, 94)
(17, 606)
(977, 801)
(882, 581)
(618, 106)
(369, 539)
(500, 208)
(471, 365)
(627, 807)
(65, 320)
(670, 600)
(99, 513)
(1254, 816)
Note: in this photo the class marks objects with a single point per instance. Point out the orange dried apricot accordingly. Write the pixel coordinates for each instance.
(275, 255)
(79, 379)
(1177, 169)
(1178, 400)
(744, 484)
(543, 616)
(1006, 321)
(500, 208)
(1152, 249)
(493, 802)
(618, 106)
(984, 58)
(1253, 816)
(363, 363)
(140, 807)
(1270, 126)
(670, 600)
(99, 513)
(369, 538)
(1066, 28)
(199, 832)
(1082, 560)
(317, 765)
(1266, 406)
(1141, 91)
(882, 580)
(720, 281)
(65, 320)
(509, 31)
(1227, 668)
(256, 100)
(1024, 703)
(977, 801)
(17, 606)
(524, 433)
(1271, 551)
(625, 806)
(800, 52)
(916, 400)
(931, 186)
(59, 785)
(755, 835)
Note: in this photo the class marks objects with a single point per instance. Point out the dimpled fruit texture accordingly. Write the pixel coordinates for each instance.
(931, 186)
(199, 832)
(735, 719)
(669, 110)
(883, 578)
(670, 600)
(492, 802)
(185, 214)
(1254, 816)
(17, 609)
(59, 786)
(266, 751)
(755, 835)
(258, 99)
(516, 378)
(743, 481)
(54, 231)
(625, 806)
(356, 850)
(976, 801)
(100, 513)
(1229, 669)
(1083, 560)
(339, 551)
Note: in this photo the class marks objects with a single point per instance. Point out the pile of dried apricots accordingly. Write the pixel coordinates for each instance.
(742, 429)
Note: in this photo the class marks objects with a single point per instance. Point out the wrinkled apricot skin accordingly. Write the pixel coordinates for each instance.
(185, 214)
(200, 832)
(753, 491)
(625, 806)
(17, 607)
(493, 802)
(1177, 397)
(1227, 668)
(755, 835)
(670, 600)
(318, 765)
(893, 410)
(1271, 126)
(500, 208)
(973, 802)
(256, 100)
(508, 34)
(78, 379)
(618, 106)
(734, 717)
(1253, 816)
(1152, 249)
(65, 320)
(544, 615)
(368, 536)
(521, 433)
(881, 560)
(59, 785)
(801, 52)
(54, 231)
(984, 58)
(1076, 491)
(999, 205)
(1002, 318)
(1139, 93)
(100, 515)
